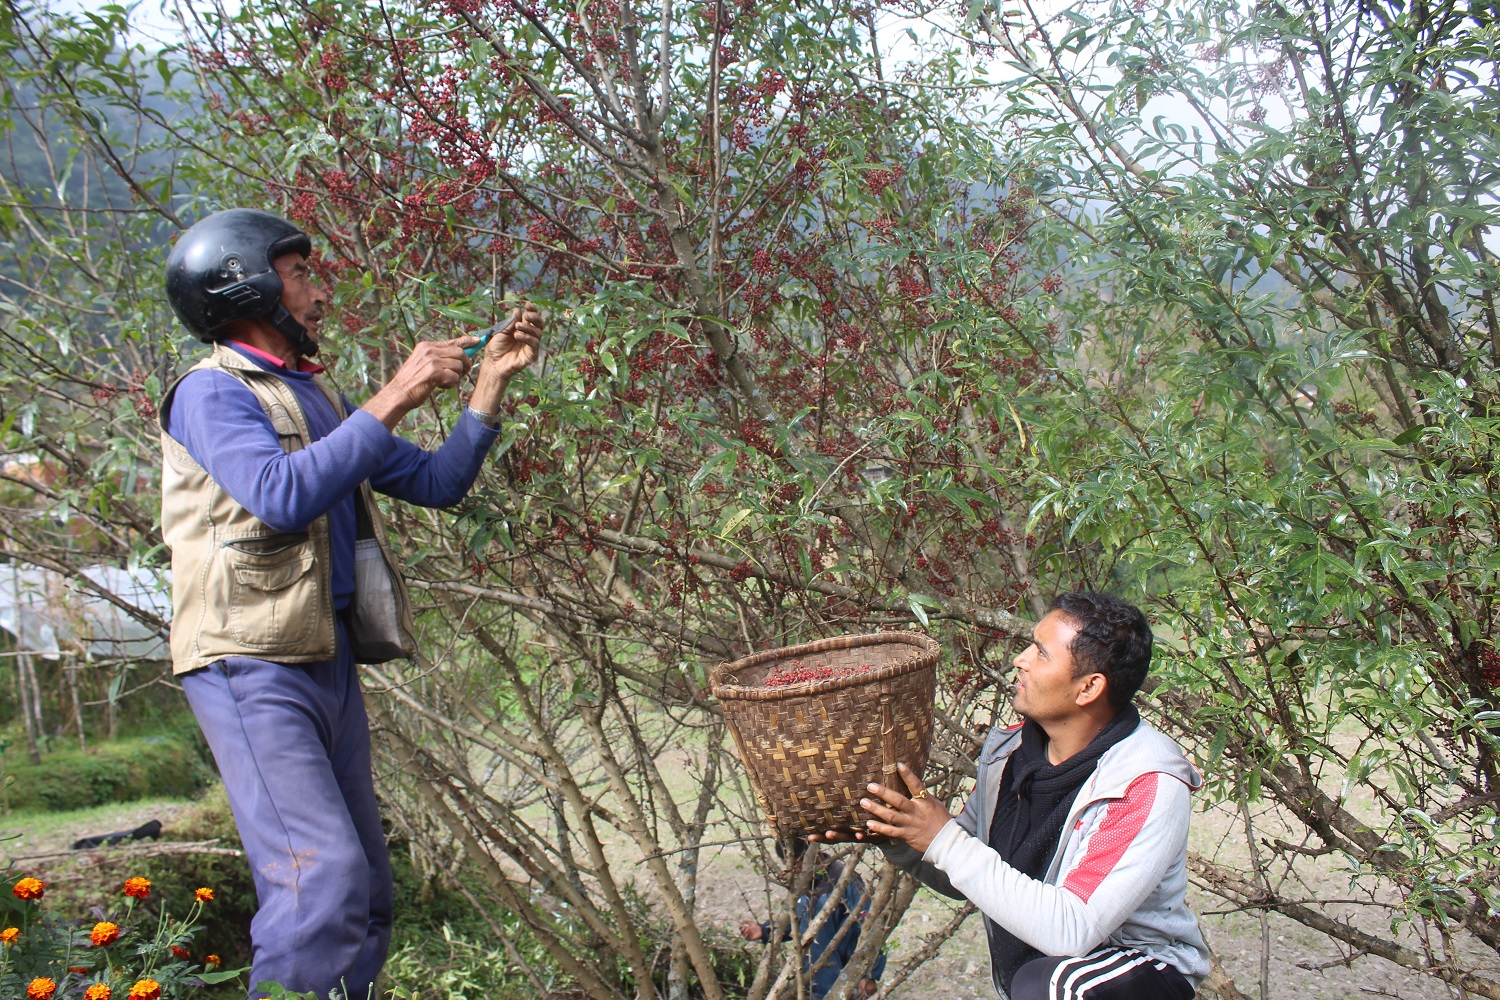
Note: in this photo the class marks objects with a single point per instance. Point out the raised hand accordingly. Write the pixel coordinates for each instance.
(511, 351)
(913, 818)
(433, 365)
(506, 354)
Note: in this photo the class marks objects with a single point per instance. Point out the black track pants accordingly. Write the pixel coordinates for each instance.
(1107, 974)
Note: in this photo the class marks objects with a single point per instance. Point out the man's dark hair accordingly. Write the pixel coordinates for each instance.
(1114, 639)
(797, 845)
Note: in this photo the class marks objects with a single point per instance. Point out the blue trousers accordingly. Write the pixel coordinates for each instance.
(293, 746)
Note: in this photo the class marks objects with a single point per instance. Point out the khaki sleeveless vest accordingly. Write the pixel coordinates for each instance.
(240, 588)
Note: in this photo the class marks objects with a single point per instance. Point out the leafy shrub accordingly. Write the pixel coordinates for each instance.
(462, 960)
(455, 965)
(120, 771)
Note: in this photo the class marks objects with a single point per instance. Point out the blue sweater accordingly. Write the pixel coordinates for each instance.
(809, 906)
(222, 425)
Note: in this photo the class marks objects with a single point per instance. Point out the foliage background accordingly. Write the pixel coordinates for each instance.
(851, 329)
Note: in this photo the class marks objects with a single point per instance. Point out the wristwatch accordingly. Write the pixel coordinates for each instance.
(488, 419)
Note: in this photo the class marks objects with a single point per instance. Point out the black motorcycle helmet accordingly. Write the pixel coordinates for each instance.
(221, 271)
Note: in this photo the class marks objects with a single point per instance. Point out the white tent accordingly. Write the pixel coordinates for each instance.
(43, 610)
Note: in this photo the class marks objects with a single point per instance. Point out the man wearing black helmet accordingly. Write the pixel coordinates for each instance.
(283, 579)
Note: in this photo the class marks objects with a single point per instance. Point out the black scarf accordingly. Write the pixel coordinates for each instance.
(1035, 796)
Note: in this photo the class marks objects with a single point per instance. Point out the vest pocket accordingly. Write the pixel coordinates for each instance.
(272, 591)
(376, 631)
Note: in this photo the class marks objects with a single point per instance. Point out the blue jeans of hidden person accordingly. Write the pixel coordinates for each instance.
(292, 743)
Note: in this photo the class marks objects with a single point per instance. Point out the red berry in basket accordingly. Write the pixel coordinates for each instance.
(795, 673)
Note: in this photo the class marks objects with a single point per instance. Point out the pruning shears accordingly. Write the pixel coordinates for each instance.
(485, 335)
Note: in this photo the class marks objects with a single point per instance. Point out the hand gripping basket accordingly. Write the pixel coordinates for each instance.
(812, 748)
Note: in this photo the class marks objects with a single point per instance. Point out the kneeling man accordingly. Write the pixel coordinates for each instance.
(1074, 841)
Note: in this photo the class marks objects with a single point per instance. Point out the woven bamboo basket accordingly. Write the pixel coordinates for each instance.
(812, 748)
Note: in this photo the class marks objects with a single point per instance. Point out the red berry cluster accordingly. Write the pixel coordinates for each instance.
(783, 496)
(135, 389)
(796, 672)
(878, 180)
(1363, 418)
(883, 228)
(770, 84)
(332, 64)
(762, 263)
(912, 288)
(1489, 666)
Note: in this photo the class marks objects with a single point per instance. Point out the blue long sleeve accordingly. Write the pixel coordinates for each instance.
(224, 428)
(847, 911)
(222, 425)
(438, 478)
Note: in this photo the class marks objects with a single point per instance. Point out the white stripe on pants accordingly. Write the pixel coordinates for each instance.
(1071, 980)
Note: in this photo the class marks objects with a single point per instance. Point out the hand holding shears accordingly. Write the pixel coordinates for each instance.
(510, 346)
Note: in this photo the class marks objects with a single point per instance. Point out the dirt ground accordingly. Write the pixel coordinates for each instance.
(40, 836)
(960, 970)
(1300, 962)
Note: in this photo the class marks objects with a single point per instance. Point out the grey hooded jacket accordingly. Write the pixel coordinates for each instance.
(1120, 872)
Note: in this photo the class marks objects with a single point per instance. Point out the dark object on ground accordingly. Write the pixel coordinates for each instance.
(146, 831)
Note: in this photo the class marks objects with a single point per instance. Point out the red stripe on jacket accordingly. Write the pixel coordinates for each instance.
(1124, 819)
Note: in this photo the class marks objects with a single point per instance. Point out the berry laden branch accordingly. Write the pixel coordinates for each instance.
(952, 609)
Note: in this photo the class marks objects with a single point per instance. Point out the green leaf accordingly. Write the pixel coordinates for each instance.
(1411, 435)
(917, 611)
(736, 520)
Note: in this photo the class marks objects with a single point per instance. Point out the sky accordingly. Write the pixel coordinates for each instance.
(155, 22)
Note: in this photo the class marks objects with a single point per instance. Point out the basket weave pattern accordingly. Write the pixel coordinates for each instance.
(812, 748)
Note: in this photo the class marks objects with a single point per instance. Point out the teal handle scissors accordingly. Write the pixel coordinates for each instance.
(485, 335)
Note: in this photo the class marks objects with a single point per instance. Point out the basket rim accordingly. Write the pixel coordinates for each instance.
(927, 655)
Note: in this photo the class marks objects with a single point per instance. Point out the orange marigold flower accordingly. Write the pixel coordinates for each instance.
(145, 989)
(204, 895)
(104, 933)
(98, 991)
(10, 935)
(140, 888)
(41, 988)
(211, 961)
(181, 952)
(29, 888)
(80, 969)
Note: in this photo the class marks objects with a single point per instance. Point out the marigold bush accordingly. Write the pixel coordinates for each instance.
(139, 950)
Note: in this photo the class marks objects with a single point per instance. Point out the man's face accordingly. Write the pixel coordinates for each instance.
(1046, 690)
(304, 300)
